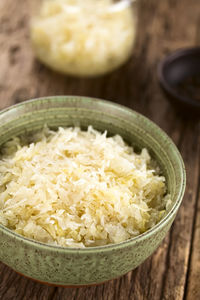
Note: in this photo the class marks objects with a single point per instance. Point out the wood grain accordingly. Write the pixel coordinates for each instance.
(193, 284)
(173, 271)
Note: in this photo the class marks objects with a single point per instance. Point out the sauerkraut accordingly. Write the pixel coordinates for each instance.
(79, 37)
(77, 188)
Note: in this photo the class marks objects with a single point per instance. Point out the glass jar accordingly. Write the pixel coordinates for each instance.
(84, 37)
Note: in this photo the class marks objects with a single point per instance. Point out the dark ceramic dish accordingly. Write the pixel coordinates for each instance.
(179, 76)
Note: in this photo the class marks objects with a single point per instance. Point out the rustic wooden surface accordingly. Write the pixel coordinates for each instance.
(173, 272)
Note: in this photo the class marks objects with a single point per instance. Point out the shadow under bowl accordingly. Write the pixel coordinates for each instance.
(179, 77)
(75, 266)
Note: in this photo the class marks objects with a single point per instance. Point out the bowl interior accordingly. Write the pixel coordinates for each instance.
(137, 130)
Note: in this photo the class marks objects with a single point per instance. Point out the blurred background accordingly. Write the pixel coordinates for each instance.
(163, 27)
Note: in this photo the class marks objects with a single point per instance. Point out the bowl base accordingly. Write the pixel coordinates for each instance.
(63, 285)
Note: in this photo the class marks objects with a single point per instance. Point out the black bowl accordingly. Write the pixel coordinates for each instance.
(179, 76)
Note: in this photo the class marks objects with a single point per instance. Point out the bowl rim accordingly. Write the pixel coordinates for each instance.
(182, 52)
(126, 243)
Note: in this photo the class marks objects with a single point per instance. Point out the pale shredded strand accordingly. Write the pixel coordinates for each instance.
(78, 188)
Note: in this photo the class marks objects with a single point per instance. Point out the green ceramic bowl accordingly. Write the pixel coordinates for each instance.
(75, 267)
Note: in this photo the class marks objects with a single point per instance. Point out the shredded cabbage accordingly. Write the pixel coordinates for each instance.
(78, 188)
(83, 37)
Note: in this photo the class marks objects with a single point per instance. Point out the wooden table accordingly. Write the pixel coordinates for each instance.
(173, 272)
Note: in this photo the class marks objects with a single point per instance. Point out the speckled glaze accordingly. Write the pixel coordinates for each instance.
(67, 266)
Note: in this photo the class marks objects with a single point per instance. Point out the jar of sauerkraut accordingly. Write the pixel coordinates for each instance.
(84, 37)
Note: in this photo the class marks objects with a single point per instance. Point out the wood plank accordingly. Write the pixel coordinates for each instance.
(163, 27)
(193, 286)
(16, 287)
(181, 233)
(192, 291)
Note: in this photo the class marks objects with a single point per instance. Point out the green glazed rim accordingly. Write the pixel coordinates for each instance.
(133, 240)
